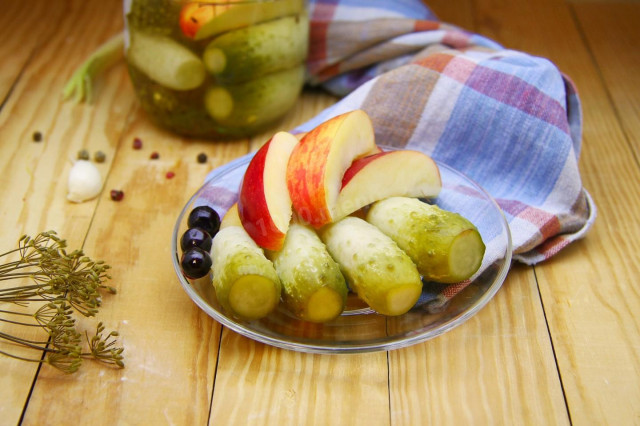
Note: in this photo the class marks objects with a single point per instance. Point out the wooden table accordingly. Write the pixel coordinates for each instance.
(559, 344)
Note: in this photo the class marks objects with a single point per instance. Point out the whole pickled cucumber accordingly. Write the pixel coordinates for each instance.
(244, 14)
(445, 246)
(313, 287)
(257, 50)
(257, 102)
(165, 61)
(380, 273)
(245, 281)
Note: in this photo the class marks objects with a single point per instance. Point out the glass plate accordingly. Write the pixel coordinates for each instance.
(359, 329)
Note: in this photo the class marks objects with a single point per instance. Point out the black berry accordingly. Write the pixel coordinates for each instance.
(195, 263)
(99, 157)
(37, 136)
(154, 155)
(206, 218)
(202, 158)
(195, 237)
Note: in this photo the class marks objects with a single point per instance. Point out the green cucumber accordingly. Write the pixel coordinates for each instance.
(258, 49)
(375, 268)
(245, 281)
(249, 13)
(165, 61)
(257, 102)
(313, 287)
(445, 246)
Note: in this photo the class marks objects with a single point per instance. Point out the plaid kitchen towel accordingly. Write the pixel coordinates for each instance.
(508, 120)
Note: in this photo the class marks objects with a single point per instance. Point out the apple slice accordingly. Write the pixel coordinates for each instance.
(387, 174)
(231, 217)
(318, 162)
(264, 205)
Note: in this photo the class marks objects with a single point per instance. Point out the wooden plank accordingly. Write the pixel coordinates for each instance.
(33, 183)
(613, 37)
(259, 384)
(497, 368)
(588, 290)
(23, 27)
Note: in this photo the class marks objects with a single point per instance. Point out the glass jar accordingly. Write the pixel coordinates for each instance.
(216, 69)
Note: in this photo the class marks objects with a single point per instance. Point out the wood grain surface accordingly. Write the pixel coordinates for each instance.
(559, 343)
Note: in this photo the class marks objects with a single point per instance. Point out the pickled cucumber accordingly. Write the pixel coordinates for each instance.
(259, 49)
(245, 14)
(445, 246)
(313, 287)
(375, 268)
(245, 281)
(257, 102)
(165, 61)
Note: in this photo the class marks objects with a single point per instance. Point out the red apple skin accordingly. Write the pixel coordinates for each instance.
(193, 16)
(358, 165)
(307, 168)
(252, 204)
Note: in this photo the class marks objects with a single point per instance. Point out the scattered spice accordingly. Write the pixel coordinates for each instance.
(154, 155)
(99, 157)
(116, 195)
(137, 143)
(202, 158)
(37, 136)
(83, 154)
(170, 175)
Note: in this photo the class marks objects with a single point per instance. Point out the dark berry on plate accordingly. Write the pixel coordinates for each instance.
(116, 195)
(154, 155)
(83, 154)
(204, 217)
(37, 136)
(195, 237)
(137, 143)
(202, 158)
(195, 263)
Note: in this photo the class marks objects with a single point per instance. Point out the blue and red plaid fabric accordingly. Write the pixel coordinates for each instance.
(508, 120)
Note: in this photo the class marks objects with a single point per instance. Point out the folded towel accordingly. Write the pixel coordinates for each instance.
(509, 120)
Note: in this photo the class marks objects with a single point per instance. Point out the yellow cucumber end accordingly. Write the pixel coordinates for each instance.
(324, 305)
(253, 296)
(402, 298)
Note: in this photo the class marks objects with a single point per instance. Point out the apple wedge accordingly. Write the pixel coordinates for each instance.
(231, 217)
(317, 164)
(264, 205)
(387, 174)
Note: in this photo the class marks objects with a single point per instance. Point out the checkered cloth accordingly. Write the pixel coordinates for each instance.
(508, 120)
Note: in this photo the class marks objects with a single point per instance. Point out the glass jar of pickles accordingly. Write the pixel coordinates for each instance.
(216, 69)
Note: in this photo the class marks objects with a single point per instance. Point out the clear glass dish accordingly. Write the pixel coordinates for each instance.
(359, 329)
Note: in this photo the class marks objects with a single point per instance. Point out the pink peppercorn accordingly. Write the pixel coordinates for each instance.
(170, 175)
(137, 143)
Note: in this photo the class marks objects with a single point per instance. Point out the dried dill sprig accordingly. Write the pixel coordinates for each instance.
(63, 284)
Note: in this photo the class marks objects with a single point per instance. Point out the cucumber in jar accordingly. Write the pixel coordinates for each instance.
(255, 103)
(257, 50)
